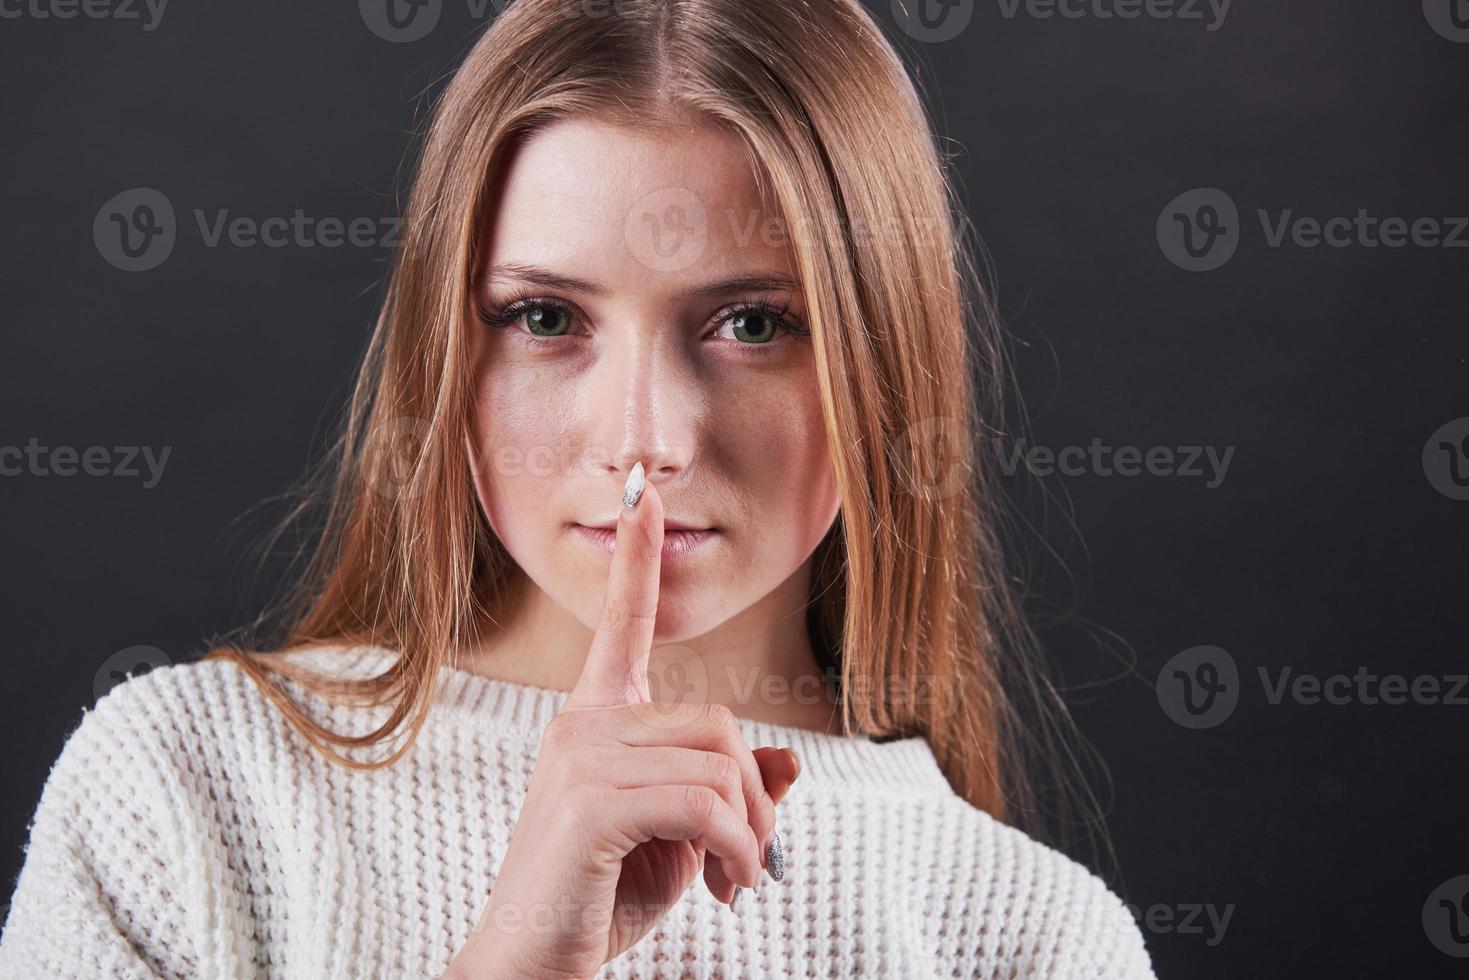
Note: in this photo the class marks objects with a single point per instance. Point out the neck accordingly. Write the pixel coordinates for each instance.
(759, 663)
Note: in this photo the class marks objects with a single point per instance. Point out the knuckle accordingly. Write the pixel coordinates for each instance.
(699, 801)
(614, 615)
(762, 810)
(682, 715)
(719, 715)
(561, 733)
(618, 615)
(725, 773)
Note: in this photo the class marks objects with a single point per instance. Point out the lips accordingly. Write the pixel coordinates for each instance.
(669, 524)
(677, 541)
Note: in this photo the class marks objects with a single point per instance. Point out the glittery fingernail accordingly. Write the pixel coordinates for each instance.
(633, 489)
(775, 857)
(735, 897)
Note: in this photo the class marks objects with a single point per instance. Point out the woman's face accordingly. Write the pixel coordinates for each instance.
(640, 343)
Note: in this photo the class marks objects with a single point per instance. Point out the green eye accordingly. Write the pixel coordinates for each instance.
(754, 328)
(546, 321)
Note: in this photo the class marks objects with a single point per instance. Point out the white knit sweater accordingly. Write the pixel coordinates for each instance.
(186, 831)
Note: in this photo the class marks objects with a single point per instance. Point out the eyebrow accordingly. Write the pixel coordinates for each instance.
(753, 282)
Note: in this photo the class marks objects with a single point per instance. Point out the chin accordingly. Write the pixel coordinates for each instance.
(683, 614)
(676, 626)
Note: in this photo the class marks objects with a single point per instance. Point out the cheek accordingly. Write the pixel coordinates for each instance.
(785, 471)
(521, 443)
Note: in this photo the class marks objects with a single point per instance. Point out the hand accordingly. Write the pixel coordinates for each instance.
(627, 800)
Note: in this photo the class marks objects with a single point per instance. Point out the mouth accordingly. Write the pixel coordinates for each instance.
(679, 538)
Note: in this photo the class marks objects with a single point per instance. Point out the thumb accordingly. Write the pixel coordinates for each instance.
(616, 668)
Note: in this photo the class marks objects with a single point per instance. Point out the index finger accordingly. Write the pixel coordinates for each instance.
(616, 668)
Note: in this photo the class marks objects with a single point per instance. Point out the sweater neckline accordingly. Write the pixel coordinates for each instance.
(468, 700)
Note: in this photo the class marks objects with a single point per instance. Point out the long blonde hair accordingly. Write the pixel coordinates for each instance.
(910, 603)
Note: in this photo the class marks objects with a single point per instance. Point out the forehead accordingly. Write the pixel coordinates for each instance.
(602, 201)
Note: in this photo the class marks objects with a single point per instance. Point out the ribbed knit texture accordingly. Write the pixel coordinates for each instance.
(185, 830)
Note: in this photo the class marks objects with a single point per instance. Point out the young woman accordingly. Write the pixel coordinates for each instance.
(661, 548)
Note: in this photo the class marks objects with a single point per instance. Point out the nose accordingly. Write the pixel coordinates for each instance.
(647, 411)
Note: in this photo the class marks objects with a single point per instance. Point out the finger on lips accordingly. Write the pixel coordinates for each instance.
(689, 787)
(616, 668)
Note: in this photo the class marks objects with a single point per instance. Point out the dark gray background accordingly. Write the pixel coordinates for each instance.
(1326, 548)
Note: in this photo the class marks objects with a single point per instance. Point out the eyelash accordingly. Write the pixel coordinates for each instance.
(512, 311)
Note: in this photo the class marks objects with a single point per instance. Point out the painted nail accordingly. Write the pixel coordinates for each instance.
(735, 897)
(775, 857)
(633, 489)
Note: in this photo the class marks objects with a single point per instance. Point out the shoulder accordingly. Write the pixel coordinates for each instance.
(175, 734)
(174, 705)
(200, 718)
(1028, 909)
(101, 885)
(960, 892)
(204, 696)
(147, 713)
(154, 794)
